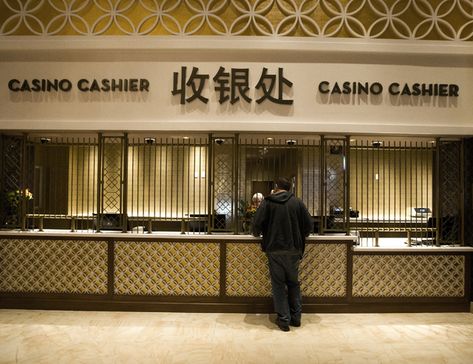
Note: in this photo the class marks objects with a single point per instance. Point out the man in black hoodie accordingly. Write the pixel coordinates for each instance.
(284, 222)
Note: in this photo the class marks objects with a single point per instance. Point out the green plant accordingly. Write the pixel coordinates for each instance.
(246, 209)
(15, 198)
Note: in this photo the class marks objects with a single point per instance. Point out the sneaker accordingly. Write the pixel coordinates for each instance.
(295, 323)
(282, 326)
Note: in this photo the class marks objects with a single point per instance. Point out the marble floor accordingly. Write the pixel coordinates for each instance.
(136, 337)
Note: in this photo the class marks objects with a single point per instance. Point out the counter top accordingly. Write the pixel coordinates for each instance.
(445, 248)
(222, 236)
(154, 235)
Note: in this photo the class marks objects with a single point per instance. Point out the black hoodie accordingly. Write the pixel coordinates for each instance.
(284, 222)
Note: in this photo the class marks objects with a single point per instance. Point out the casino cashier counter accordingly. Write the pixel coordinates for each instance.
(222, 273)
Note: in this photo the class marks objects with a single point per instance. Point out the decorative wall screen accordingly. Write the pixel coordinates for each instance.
(12, 160)
(450, 20)
(334, 184)
(450, 191)
(223, 183)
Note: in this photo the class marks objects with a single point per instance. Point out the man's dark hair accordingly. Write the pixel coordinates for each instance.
(282, 183)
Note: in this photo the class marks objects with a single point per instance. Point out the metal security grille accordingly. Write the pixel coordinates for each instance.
(83, 172)
(167, 184)
(262, 159)
(385, 189)
(391, 190)
(61, 174)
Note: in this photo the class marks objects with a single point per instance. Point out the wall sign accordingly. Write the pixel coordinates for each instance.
(232, 86)
(83, 85)
(394, 88)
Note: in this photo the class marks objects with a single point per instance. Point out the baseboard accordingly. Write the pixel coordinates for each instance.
(229, 307)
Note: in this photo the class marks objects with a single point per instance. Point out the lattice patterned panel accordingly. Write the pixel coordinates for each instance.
(334, 181)
(323, 271)
(408, 19)
(223, 184)
(450, 187)
(12, 155)
(53, 266)
(468, 168)
(247, 271)
(408, 276)
(167, 269)
(112, 175)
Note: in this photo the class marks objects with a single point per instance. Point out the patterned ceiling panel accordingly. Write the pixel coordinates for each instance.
(368, 19)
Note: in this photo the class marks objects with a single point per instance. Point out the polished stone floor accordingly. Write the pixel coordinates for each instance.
(136, 337)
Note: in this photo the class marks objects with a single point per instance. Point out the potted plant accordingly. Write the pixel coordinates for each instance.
(14, 200)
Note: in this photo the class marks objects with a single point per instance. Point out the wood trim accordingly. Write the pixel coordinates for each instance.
(468, 278)
(349, 277)
(223, 299)
(110, 268)
(253, 307)
(408, 300)
(407, 252)
(223, 269)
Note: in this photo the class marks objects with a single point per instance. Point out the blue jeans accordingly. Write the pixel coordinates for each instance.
(284, 271)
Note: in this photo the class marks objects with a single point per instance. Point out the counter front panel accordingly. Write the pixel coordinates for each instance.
(323, 270)
(222, 273)
(408, 275)
(53, 266)
(167, 269)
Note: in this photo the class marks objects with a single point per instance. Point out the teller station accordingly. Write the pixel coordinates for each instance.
(163, 222)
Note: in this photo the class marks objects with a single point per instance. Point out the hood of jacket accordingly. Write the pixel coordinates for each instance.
(280, 197)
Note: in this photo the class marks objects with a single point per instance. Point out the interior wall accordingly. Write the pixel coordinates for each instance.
(167, 181)
(308, 186)
(50, 179)
(388, 183)
(82, 180)
(310, 111)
